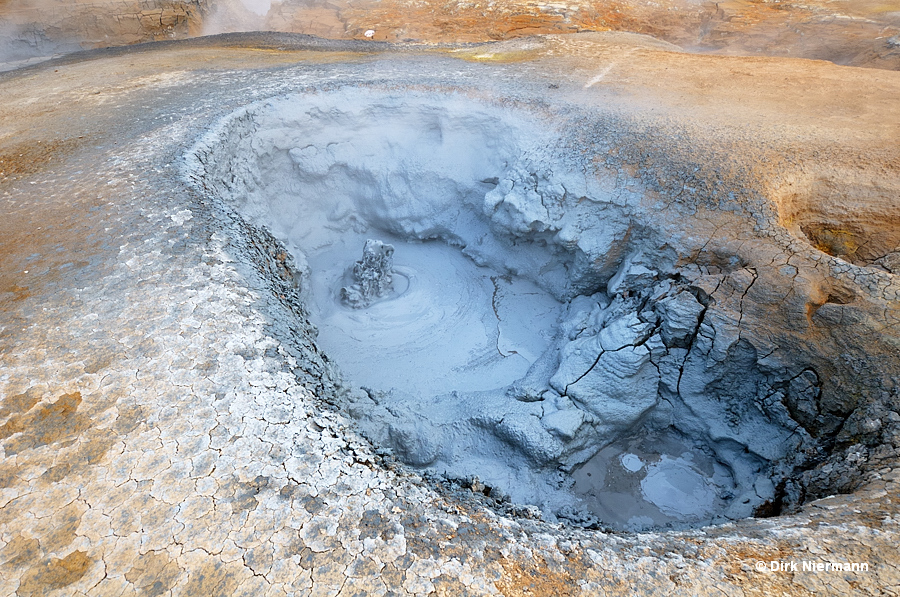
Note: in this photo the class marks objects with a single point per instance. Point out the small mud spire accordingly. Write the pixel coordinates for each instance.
(373, 275)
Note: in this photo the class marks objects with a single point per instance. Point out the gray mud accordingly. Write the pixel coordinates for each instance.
(542, 331)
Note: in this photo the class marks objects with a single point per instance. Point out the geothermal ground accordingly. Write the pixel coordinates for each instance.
(636, 331)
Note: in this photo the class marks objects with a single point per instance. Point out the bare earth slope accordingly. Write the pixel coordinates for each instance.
(850, 33)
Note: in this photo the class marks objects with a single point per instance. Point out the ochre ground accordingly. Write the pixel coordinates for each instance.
(143, 418)
(846, 32)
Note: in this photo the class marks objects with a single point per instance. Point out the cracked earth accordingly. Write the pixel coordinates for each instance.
(166, 420)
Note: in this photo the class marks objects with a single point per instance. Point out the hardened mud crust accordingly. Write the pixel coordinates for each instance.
(169, 426)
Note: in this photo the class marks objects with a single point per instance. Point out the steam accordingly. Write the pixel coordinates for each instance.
(8, 33)
(259, 7)
(230, 16)
(33, 30)
(23, 38)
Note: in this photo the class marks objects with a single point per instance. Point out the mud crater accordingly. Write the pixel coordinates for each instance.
(543, 344)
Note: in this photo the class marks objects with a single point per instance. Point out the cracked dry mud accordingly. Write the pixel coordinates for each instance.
(168, 424)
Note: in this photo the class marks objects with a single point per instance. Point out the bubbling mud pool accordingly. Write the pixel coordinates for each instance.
(535, 344)
(447, 325)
